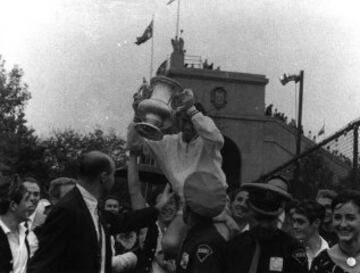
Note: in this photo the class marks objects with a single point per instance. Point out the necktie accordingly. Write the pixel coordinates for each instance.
(100, 239)
(26, 225)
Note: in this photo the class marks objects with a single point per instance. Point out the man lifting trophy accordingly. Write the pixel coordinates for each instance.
(195, 148)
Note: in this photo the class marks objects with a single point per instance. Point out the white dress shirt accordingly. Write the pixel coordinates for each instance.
(324, 245)
(17, 247)
(92, 205)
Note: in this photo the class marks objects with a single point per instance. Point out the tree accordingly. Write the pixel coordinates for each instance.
(314, 174)
(63, 149)
(19, 147)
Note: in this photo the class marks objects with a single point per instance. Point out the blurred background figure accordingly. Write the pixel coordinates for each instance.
(239, 208)
(325, 197)
(59, 187)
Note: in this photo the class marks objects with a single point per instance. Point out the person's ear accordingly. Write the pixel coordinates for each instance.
(13, 206)
(103, 177)
(317, 223)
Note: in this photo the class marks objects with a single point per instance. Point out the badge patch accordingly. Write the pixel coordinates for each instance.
(300, 256)
(184, 260)
(276, 264)
(203, 252)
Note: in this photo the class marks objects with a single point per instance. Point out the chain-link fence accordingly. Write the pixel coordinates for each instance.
(330, 163)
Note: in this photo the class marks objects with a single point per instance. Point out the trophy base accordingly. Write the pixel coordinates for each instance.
(149, 131)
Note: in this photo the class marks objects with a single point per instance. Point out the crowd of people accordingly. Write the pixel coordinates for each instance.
(191, 224)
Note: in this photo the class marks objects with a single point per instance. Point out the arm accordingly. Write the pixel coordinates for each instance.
(137, 200)
(52, 242)
(133, 220)
(206, 128)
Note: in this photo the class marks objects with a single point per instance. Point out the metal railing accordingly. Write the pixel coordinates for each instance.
(331, 163)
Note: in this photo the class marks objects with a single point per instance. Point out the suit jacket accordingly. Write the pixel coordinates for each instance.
(6, 258)
(5, 253)
(68, 241)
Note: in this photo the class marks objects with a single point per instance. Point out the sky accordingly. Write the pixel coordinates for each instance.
(82, 66)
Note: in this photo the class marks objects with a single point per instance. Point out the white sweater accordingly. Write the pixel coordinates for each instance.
(178, 159)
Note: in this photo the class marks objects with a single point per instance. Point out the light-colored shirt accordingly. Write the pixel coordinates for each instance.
(92, 204)
(311, 257)
(17, 246)
(178, 159)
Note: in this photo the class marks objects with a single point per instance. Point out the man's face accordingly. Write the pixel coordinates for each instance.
(326, 203)
(168, 212)
(34, 194)
(303, 229)
(112, 205)
(24, 209)
(187, 128)
(239, 207)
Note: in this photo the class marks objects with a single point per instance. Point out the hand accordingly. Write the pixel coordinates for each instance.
(165, 198)
(143, 93)
(184, 100)
(134, 141)
(187, 98)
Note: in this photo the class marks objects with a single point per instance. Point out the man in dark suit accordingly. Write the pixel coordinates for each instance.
(74, 237)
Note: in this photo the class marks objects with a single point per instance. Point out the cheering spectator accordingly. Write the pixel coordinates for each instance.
(343, 257)
(239, 208)
(307, 217)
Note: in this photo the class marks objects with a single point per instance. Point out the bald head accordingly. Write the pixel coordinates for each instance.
(93, 164)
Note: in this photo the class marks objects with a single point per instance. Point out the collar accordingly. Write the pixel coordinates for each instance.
(7, 230)
(88, 197)
(4, 227)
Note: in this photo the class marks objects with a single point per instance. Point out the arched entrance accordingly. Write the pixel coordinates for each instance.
(231, 163)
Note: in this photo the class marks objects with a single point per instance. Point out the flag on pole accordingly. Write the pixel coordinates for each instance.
(322, 130)
(148, 33)
(170, 1)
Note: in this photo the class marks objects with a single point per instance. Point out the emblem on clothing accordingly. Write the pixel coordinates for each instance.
(203, 252)
(300, 256)
(276, 264)
(184, 260)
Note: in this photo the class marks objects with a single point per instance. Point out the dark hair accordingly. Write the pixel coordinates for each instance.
(31, 180)
(12, 191)
(326, 193)
(54, 189)
(92, 164)
(200, 107)
(232, 195)
(312, 210)
(112, 197)
(346, 196)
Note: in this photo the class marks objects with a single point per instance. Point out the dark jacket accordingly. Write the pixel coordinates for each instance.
(5, 253)
(279, 252)
(68, 242)
(6, 258)
(203, 250)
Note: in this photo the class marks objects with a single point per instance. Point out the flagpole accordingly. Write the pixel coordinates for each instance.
(152, 48)
(178, 19)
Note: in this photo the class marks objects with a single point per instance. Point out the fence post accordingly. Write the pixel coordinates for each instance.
(355, 156)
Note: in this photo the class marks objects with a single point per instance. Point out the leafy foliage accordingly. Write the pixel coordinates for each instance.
(19, 147)
(314, 174)
(63, 149)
